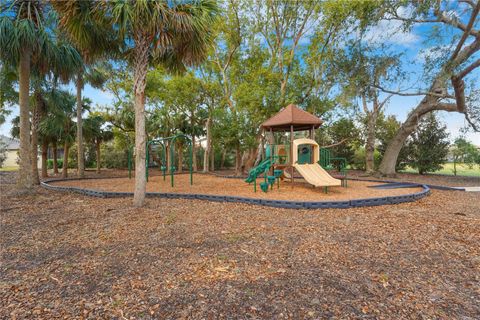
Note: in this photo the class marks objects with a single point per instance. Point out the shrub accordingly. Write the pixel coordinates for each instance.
(112, 157)
(3, 153)
(358, 160)
(429, 145)
(72, 157)
(89, 156)
(50, 163)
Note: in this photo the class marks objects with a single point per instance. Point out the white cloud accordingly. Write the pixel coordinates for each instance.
(107, 94)
(391, 31)
(432, 53)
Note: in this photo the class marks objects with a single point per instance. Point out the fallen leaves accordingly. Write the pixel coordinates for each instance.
(67, 256)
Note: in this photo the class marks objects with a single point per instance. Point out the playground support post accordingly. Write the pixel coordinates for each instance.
(147, 161)
(163, 165)
(129, 159)
(172, 156)
(172, 161)
(291, 154)
(190, 162)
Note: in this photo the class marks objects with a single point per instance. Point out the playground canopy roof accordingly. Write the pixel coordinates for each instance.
(292, 116)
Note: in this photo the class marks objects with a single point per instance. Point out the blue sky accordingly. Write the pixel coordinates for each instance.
(416, 45)
(412, 43)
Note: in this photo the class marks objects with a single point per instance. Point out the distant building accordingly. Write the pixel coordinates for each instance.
(13, 147)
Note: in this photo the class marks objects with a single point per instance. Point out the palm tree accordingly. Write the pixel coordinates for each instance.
(25, 40)
(94, 38)
(96, 132)
(165, 32)
(42, 100)
(8, 94)
(20, 32)
(59, 121)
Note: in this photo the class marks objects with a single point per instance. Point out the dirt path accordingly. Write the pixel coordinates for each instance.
(67, 255)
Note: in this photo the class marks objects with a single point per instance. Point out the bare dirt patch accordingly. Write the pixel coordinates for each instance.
(69, 256)
(208, 184)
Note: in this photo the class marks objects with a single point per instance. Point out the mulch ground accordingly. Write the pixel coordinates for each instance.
(208, 184)
(434, 179)
(71, 256)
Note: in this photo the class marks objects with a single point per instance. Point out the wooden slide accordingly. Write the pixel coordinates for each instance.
(316, 175)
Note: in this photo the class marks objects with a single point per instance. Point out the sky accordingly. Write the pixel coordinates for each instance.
(416, 45)
(412, 43)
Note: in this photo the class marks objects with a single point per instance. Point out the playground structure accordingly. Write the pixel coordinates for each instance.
(162, 142)
(302, 155)
(283, 156)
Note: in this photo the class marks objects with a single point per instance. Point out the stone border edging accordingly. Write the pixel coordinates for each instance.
(355, 203)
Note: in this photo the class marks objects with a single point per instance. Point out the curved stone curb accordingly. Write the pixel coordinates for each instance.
(367, 202)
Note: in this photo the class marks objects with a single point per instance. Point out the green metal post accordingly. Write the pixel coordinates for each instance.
(146, 163)
(255, 185)
(164, 162)
(172, 158)
(191, 163)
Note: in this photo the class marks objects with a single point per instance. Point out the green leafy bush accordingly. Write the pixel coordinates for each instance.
(112, 157)
(3, 153)
(429, 145)
(50, 163)
(358, 160)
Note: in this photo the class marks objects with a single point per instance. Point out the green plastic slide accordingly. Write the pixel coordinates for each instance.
(258, 170)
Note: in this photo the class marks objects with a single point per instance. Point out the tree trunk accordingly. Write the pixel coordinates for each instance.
(97, 148)
(34, 140)
(222, 160)
(80, 151)
(141, 54)
(44, 159)
(24, 180)
(65, 161)
(260, 149)
(370, 143)
(250, 159)
(427, 105)
(55, 158)
(206, 155)
(212, 158)
(238, 161)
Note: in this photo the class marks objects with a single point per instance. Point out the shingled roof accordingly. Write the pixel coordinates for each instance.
(292, 116)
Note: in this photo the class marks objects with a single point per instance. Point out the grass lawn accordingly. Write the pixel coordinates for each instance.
(8, 168)
(462, 170)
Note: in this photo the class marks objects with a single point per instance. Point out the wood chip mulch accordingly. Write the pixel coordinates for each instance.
(434, 179)
(208, 184)
(65, 256)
